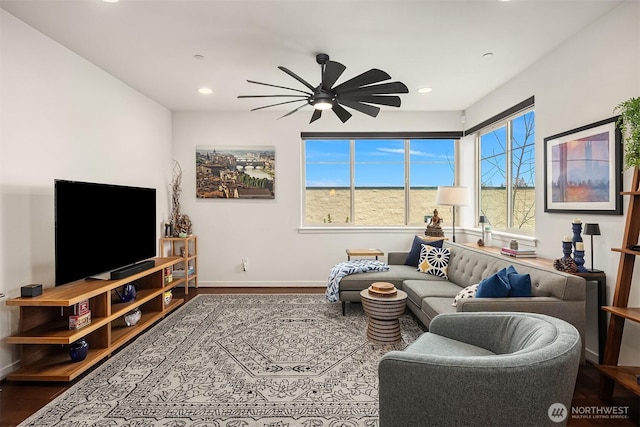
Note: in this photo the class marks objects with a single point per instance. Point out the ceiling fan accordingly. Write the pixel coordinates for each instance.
(356, 93)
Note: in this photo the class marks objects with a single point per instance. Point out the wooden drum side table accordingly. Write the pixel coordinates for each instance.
(384, 316)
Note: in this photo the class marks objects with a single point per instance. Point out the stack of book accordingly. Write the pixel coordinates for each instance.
(518, 253)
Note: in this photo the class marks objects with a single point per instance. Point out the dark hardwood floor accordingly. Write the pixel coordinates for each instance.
(19, 400)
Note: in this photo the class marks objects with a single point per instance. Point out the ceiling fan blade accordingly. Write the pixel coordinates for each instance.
(272, 96)
(315, 116)
(281, 87)
(279, 103)
(332, 72)
(368, 77)
(297, 77)
(293, 111)
(392, 87)
(342, 114)
(363, 108)
(393, 101)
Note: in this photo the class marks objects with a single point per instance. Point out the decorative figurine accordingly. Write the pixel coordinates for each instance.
(433, 228)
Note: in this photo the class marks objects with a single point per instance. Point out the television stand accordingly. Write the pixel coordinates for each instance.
(44, 335)
(130, 270)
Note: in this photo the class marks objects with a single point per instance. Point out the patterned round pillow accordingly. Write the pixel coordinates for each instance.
(468, 292)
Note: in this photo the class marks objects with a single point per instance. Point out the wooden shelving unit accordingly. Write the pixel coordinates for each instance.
(44, 335)
(620, 312)
(187, 249)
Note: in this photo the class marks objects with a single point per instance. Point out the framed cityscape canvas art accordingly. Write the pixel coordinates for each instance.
(583, 170)
(230, 172)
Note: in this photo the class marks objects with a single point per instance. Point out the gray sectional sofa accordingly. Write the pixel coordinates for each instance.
(554, 293)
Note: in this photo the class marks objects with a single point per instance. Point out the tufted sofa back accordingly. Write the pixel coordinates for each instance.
(469, 265)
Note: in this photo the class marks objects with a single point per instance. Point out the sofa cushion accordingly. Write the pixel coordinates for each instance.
(432, 306)
(468, 292)
(494, 286)
(413, 258)
(418, 289)
(434, 261)
(437, 345)
(396, 275)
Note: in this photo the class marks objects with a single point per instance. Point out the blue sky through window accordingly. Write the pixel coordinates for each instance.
(378, 163)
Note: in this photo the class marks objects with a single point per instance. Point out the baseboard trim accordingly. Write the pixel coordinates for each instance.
(262, 284)
(6, 370)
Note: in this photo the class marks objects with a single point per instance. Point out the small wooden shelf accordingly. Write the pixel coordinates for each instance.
(187, 249)
(631, 313)
(623, 375)
(612, 373)
(44, 335)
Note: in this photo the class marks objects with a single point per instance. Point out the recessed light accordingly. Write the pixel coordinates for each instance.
(488, 55)
(110, 1)
(205, 91)
(424, 90)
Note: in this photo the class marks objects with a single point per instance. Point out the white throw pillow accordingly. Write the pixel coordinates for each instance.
(468, 292)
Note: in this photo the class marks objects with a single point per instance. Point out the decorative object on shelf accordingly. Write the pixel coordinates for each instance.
(488, 235)
(129, 292)
(167, 229)
(132, 317)
(579, 260)
(81, 316)
(629, 122)
(481, 221)
(180, 223)
(583, 170)
(32, 290)
(78, 350)
(566, 247)
(452, 196)
(168, 276)
(168, 296)
(433, 228)
(591, 229)
(513, 244)
(576, 228)
(565, 264)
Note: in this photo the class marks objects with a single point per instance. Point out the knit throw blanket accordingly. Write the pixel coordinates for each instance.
(342, 269)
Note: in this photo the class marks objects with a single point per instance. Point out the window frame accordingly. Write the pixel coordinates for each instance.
(503, 119)
(352, 137)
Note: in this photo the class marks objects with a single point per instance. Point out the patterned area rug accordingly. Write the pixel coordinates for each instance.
(237, 361)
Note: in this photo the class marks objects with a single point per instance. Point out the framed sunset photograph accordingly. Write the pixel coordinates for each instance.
(583, 170)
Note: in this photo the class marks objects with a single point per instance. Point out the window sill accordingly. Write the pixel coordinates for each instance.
(362, 229)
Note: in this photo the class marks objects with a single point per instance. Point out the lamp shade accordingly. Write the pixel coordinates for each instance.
(592, 229)
(452, 196)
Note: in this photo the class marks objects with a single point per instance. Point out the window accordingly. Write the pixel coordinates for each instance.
(507, 173)
(377, 180)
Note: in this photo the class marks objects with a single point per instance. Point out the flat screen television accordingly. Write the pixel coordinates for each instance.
(101, 227)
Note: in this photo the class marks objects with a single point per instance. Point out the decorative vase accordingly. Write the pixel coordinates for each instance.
(577, 229)
(78, 350)
(579, 259)
(132, 317)
(168, 296)
(129, 292)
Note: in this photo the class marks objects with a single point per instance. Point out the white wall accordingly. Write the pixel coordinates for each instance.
(580, 83)
(62, 117)
(267, 231)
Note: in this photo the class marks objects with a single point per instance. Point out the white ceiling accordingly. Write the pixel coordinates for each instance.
(150, 44)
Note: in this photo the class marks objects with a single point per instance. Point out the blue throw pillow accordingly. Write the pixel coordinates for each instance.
(414, 254)
(520, 285)
(494, 286)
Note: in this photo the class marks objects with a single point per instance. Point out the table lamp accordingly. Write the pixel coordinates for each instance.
(452, 196)
(592, 230)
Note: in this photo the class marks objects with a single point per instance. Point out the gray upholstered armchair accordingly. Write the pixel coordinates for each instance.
(484, 369)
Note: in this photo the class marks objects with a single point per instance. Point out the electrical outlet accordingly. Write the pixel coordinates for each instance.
(245, 264)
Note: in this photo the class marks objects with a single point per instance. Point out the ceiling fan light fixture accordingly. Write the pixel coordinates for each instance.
(322, 101)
